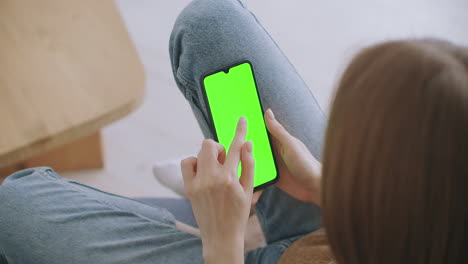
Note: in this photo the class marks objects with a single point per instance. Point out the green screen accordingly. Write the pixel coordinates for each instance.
(230, 96)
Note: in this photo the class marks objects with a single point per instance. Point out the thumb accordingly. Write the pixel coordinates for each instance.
(248, 165)
(276, 129)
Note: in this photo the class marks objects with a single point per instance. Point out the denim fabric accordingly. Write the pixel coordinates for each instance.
(46, 219)
(180, 208)
(210, 34)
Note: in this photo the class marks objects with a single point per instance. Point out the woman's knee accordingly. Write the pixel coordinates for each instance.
(207, 14)
(12, 191)
(202, 26)
(25, 182)
(204, 36)
(32, 172)
(19, 191)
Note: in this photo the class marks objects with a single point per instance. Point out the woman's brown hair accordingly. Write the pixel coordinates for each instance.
(395, 165)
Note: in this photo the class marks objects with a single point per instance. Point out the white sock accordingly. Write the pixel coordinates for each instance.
(169, 174)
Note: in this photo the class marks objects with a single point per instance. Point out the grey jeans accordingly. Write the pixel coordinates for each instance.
(46, 219)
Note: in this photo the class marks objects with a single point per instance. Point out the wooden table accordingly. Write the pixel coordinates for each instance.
(67, 68)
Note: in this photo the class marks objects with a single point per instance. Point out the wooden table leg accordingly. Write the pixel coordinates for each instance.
(85, 153)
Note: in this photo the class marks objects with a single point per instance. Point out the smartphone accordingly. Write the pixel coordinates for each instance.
(231, 92)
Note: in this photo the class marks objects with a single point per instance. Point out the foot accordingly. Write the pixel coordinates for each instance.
(168, 173)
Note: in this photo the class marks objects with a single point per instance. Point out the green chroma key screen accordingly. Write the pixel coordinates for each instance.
(232, 93)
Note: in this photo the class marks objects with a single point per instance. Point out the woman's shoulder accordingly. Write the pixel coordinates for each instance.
(311, 249)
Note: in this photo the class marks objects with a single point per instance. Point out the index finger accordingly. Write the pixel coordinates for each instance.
(233, 156)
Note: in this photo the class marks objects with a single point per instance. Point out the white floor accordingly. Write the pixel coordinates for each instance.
(319, 37)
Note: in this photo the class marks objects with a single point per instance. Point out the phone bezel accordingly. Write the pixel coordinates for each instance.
(211, 122)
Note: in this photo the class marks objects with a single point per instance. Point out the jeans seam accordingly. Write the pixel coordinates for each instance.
(284, 244)
(242, 4)
(186, 82)
(192, 93)
(112, 206)
(182, 75)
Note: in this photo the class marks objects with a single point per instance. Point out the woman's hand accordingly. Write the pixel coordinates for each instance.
(300, 172)
(220, 200)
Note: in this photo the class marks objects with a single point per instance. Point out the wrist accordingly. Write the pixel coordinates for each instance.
(229, 251)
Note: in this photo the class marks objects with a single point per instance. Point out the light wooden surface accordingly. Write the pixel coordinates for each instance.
(67, 68)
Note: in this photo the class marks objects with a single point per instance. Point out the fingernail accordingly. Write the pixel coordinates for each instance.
(242, 120)
(249, 146)
(270, 114)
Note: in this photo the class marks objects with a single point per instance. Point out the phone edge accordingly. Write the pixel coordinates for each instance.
(211, 123)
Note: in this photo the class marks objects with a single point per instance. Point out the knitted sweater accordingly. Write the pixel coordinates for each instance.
(311, 249)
